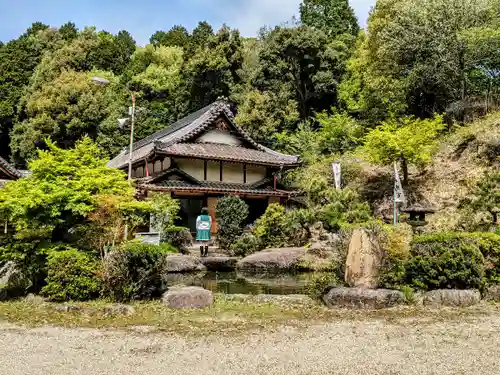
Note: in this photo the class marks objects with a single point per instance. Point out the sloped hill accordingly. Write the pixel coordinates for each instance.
(463, 157)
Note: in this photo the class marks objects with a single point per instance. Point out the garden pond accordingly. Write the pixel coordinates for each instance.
(246, 283)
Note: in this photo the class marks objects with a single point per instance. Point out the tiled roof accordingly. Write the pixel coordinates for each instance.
(9, 169)
(216, 151)
(186, 129)
(215, 187)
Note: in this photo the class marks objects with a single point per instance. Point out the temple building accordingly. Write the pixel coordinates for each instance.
(8, 172)
(203, 157)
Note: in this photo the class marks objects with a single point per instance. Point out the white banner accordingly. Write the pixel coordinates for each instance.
(337, 175)
(399, 195)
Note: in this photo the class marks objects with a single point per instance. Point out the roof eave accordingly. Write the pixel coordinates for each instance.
(202, 189)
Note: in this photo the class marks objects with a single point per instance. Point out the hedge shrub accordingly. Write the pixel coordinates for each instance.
(443, 262)
(247, 244)
(135, 271)
(178, 237)
(271, 228)
(487, 243)
(72, 275)
(231, 214)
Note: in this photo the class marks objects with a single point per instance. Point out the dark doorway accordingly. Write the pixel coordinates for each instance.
(190, 209)
(256, 208)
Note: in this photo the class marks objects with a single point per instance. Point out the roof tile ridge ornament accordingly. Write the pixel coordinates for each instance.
(159, 145)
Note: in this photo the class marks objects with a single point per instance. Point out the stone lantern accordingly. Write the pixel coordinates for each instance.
(417, 212)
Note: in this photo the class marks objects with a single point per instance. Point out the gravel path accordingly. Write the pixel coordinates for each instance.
(368, 347)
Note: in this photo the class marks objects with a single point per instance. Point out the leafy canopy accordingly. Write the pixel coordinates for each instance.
(63, 188)
(410, 140)
(334, 17)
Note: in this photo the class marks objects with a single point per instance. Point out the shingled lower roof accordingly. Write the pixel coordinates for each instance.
(217, 151)
(215, 188)
(188, 128)
(10, 170)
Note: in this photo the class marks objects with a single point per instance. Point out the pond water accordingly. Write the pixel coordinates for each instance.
(245, 283)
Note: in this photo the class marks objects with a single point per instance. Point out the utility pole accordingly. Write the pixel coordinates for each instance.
(132, 114)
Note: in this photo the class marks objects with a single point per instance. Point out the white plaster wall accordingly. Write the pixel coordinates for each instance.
(232, 173)
(213, 171)
(255, 174)
(194, 167)
(157, 166)
(217, 136)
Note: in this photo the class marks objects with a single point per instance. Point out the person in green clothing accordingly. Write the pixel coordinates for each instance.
(203, 226)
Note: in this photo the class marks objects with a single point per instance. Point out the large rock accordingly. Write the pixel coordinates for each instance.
(187, 297)
(364, 260)
(220, 263)
(273, 259)
(363, 298)
(184, 263)
(287, 259)
(13, 282)
(452, 297)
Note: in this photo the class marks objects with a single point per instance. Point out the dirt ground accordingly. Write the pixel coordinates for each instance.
(372, 346)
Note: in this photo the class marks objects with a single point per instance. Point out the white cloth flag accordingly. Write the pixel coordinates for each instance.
(337, 175)
(399, 195)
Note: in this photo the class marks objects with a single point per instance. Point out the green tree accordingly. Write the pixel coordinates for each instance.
(338, 132)
(415, 50)
(214, 70)
(304, 62)
(365, 92)
(262, 114)
(112, 52)
(177, 36)
(231, 214)
(155, 75)
(18, 60)
(66, 108)
(68, 31)
(201, 34)
(63, 187)
(409, 140)
(334, 17)
(56, 202)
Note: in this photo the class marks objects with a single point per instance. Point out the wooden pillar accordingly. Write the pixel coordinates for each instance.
(211, 203)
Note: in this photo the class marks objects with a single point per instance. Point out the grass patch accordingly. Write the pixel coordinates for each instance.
(223, 318)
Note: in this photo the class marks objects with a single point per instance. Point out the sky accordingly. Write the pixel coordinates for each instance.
(143, 17)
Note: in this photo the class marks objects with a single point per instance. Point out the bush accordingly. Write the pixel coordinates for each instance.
(396, 241)
(296, 226)
(444, 261)
(321, 283)
(247, 244)
(135, 271)
(178, 237)
(165, 210)
(487, 243)
(72, 275)
(271, 228)
(339, 208)
(231, 213)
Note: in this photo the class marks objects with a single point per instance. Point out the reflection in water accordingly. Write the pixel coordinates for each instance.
(244, 283)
